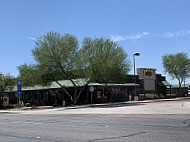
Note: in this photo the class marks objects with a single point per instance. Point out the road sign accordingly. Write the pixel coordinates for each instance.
(19, 93)
(91, 88)
(19, 87)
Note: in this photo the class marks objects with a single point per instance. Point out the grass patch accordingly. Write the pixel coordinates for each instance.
(149, 96)
(9, 106)
(27, 104)
(171, 95)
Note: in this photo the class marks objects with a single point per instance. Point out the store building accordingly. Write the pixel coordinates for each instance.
(146, 81)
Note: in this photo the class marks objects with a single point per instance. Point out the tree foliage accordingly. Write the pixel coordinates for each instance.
(55, 55)
(6, 82)
(56, 52)
(30, 75)
(102, 60)
(177, 66)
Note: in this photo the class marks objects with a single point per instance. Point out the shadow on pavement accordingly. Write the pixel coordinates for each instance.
(117, 105)
(106, 105)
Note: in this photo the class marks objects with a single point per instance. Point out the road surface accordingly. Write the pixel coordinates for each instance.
(99, 124)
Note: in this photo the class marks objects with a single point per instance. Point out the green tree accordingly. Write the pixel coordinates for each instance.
(177, 66)
(55, 55)
(102, 60)
(6, 82)
(30, 75)
(59, 57)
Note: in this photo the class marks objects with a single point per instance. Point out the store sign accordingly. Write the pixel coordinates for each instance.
(99, 94)
(5, 100)
(148, 74)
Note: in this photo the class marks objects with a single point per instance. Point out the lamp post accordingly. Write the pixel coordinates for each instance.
(135, 54)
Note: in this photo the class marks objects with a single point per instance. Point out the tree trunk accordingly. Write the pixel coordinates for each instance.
(65, 91)
(68, 94)
(179, 81)
(79, 94)
(75, 94)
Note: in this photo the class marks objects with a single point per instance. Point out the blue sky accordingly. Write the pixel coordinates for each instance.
(152, 27)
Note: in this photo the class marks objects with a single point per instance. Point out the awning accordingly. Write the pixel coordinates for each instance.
(163, 83)
(166, 83)
(160, 84)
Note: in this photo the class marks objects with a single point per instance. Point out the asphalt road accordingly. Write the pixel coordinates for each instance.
(94, 128)
(167, 121)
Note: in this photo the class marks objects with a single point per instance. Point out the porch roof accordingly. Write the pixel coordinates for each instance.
(113, 84)
(163, 83)
(66, 83)
(53, 85)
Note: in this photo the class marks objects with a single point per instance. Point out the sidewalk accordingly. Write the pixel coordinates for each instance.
(128, 102)
(94, 105)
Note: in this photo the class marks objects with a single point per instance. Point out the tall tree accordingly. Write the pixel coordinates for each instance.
(6, 82)
(59, 57)
(55, 58)
(102, 60)
(177, 66)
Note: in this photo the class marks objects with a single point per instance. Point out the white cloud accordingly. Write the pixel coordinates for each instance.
(34, 38)
(137, 36)
(129, 37)
(176, 34)
(117, 38)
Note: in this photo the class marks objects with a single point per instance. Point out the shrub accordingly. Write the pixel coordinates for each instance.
(171, 95)
(152, 96)
(9, 106)
(27, 105)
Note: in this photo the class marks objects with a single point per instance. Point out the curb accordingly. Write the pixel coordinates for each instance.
(147, 101)
(103, 105)
(126, 103)
(38, 107)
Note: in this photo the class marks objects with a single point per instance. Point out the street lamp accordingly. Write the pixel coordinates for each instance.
(135, 54)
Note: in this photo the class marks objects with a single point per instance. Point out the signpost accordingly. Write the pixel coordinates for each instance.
(91, 90)
(19, 89)
(5, 100)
